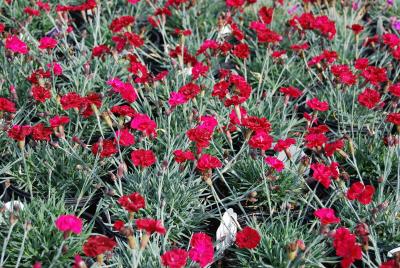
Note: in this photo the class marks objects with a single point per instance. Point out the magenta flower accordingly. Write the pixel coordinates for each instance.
(15, 44)
(69, 224)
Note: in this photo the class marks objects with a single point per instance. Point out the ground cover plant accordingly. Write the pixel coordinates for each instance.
(199, 133)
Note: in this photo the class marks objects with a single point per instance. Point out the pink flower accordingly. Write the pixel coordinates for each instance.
(143, 122)
(202, 250)
(275, 163)
(176, 99)
(69, 223)
(15, 44)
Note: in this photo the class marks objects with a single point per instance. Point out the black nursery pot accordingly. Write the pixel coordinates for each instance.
(13, 192)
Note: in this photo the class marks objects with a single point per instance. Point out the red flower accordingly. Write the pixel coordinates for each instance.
(7, 106)
(40, 94)
(126, 90)
(142, 122)
(190, 91)
(346, 247)
(344, 74)
(235, 3)
(119, 23)
(322, 174)
(369, 98)
(389, 264)
(265, 14)
(207, 162)
(19, 133)
(198, 70)
(57, 121)
(332, 147)
(183, 156)
(97, 245)
(15, 44)
(394, 89)
(374, 75)
(202, 250)
(363, 193)
(291, 92)
(100, 50)
(314, 140)
(175, 258)
(41, 132)
(393, 118)
(71, 100)
(241, 51)
(361, 63)
(247, 238)
(275, 163)
(326, 216)
(118, 225)
(357, 28)
(143, 158)
(123, 110)
(47, 43)
(256, 123)
(132, 202)
(284, 144)
(32, 12)
(261, 140)
(106, 148)
(150, 226)
(124, 138)
(317, 105)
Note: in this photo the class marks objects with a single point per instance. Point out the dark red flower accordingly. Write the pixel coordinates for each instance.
(132, 202)
(119, 23)
(40, 94)
(241, 51)
(7, 106)
(247, 238)
(183, 156)
(19, 133)
(369, 98)
(106, 148)
(143, 158)
(265, 14)
(97, 245)
(41, 132)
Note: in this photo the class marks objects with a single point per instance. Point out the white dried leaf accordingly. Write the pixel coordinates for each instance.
(226, 232)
